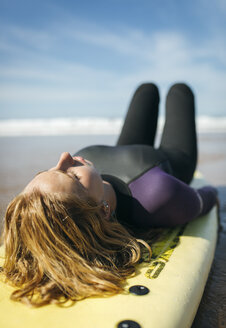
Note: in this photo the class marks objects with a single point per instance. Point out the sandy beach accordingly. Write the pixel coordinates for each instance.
(23, 157)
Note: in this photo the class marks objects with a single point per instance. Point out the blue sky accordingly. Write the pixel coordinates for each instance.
(85, 58)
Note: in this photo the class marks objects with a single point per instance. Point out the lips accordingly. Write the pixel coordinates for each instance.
(79, 159)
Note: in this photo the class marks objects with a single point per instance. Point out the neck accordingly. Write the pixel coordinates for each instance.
(110, 195)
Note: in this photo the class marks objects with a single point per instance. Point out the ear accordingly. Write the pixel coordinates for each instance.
(106, 209)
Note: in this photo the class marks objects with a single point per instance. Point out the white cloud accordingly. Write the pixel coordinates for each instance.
(160, 56)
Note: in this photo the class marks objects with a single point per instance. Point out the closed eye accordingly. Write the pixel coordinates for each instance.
(76, 176)
(73, 175)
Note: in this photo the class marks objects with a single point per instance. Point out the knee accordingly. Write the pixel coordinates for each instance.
(181, 88)
(148, 87)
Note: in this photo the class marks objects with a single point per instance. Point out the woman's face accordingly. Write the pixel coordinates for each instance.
(70, 175)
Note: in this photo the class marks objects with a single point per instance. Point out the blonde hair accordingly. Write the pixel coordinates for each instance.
(59, 248)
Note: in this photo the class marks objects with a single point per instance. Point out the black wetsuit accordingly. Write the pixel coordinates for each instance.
(151, 184)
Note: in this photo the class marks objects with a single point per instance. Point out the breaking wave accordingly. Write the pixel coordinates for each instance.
(89, 126)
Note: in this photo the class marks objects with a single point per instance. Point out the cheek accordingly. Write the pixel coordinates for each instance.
(95, 181)
(95, 186)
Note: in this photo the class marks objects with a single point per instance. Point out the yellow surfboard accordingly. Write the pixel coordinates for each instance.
(165, 293)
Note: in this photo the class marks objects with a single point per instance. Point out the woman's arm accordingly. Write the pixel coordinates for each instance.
(208, 197)
(170, 201)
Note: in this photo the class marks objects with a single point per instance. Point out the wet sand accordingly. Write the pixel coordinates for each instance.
(212, 309)
(23, 157)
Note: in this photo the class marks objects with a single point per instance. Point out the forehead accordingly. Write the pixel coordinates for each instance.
(54, 181)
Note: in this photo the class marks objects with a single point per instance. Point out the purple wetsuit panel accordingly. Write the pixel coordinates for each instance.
(167, 201)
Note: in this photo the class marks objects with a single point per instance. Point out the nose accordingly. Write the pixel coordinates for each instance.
(65, 161)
